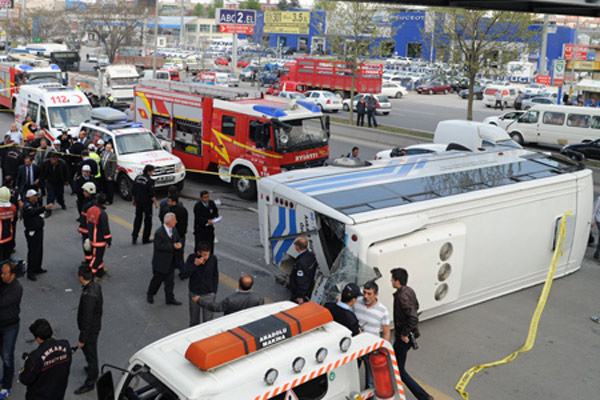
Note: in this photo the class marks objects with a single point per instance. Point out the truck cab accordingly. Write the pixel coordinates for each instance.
(278, 351)
(135, 147)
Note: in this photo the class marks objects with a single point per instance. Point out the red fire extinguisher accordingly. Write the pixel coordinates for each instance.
(382, 377)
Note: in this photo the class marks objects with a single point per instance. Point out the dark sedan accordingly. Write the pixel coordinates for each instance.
(588, 149)
(434, 87)
(477, 93)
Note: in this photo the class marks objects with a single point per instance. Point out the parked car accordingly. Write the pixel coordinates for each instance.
(327, 101)
(432, 87)
(477, 93)
(222, 61)
(503, 120)
(288, 50)
(534, 88)
(415, 149)
(93, 58)
(232, 80)
(397, 60)
(383, 106)
(587, 149)
(527, 104)
(392, 89)
(267, 78)
(243, 63)
(246, 74)
(293, 95)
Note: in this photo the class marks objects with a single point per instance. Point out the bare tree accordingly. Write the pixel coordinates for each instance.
(356, 31)
(43, 24)
(481, 41)
(113, 24)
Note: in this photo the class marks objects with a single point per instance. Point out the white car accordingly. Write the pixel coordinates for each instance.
(415, 149)
(393, 89)
(503, 120)
(327, 101)
(397, 60)
(534, 88)
(292, 95)
(383, 103)
(93, 58)
(233, 80)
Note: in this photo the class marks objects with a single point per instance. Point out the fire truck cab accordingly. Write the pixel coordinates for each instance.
(242, 135)
(279, 351)
(15, 74)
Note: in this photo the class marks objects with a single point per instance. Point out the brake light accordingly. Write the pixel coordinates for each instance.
(328, 101)
(382, 378)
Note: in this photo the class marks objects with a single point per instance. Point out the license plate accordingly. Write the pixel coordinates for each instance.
(166, 178)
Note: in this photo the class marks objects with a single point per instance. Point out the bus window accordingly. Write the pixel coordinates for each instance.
(596, 122)
(188, 136)
(578, 120)
(530, 117)
(553, 118)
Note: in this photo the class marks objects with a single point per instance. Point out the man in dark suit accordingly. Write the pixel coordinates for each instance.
(241, 299)
(109, 169)
(205, 212)
(28, 176)
(164, 260)
(342, 310)
(302, 278)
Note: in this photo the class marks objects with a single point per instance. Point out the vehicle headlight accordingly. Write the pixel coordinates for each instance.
(284, 138)
(180, 167)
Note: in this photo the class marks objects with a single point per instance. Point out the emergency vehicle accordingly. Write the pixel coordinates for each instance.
(468, 226)
(334, 75)
(135, 147)
(117, 80)
(233, 131)
(278, 351)
(28, 70)
(52, 107)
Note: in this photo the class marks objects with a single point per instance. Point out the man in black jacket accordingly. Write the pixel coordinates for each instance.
(46, 370)
(28, 176)
(240, 300)
(406, 318)
(82, 179)
(164, 260)
(203, 271)
(89, 322)
(11, 293)
(143, 197)
(12, 161)
(55, 175)
(34, 233)
(302, 277)
(175, 206)
(342, 311)
(205, 212)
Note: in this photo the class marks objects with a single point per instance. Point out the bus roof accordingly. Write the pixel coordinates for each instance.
(345, 193)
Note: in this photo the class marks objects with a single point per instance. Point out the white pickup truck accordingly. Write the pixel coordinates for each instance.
(117, 80)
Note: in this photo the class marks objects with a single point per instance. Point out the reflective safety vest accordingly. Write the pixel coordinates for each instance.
(94, 156)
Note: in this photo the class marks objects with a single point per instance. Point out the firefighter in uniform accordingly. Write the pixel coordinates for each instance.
(34, 233)
(8, 214)
(46, 369)
(143, 197)
(88, 191)
(98, 231)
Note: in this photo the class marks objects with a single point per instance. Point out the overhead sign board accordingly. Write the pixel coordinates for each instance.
(231, 28)
(235, 17)
(580, 52)
(292, 22)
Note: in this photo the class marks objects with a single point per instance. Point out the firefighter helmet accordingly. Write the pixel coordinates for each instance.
(89, 187)
(4, 194)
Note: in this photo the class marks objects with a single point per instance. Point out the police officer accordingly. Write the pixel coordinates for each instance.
(143, 197)
(46, 370)
(302, 278)
(8, 214)
(34, 233)
(81, 180)
(98, 230)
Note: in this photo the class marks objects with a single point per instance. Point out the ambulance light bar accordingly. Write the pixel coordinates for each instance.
(234, 343)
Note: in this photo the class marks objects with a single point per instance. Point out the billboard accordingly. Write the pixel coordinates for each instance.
(6, 3)
(292, 22)
(235, 17)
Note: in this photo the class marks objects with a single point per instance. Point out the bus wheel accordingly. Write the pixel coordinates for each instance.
(516, 136)
(125, 187)
(245, 188)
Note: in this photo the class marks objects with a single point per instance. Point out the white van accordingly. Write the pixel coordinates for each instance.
(53, 107)
(472, 135)
(509, 94)
(556, 125)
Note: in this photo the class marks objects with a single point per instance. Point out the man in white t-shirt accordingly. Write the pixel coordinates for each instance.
(373, 317)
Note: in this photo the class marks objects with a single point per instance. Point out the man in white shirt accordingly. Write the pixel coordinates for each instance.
(373, 317)
(15, 135)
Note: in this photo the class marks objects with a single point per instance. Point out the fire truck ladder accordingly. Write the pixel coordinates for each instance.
(202, 89)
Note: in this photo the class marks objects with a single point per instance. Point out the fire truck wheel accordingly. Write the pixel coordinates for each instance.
(245, 188)
(125, 186)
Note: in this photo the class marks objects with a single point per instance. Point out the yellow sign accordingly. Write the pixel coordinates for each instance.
(584, 65)
(294, 22)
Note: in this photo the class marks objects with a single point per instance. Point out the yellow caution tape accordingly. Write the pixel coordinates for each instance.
(533, 326)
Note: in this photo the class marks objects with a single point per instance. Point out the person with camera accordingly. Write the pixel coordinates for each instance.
(11, 293)
(46, 370)
(406, 319)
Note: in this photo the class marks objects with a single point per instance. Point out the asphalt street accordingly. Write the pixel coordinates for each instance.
(563, 363)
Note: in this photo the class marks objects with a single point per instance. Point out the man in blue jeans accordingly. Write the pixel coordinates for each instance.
(11, 293)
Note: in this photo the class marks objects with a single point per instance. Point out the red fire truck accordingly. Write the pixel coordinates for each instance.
(334, 75)
(235, 132)
(15, 74)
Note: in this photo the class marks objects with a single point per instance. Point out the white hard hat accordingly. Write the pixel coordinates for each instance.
(4, 194)
(31, 193)
(100, 142)
(91, 147)
(89, 187)
(56, 141)
(86, 168)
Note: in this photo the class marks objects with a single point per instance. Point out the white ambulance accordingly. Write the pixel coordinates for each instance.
(135, 148)
(278, 351)
(52, 107)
